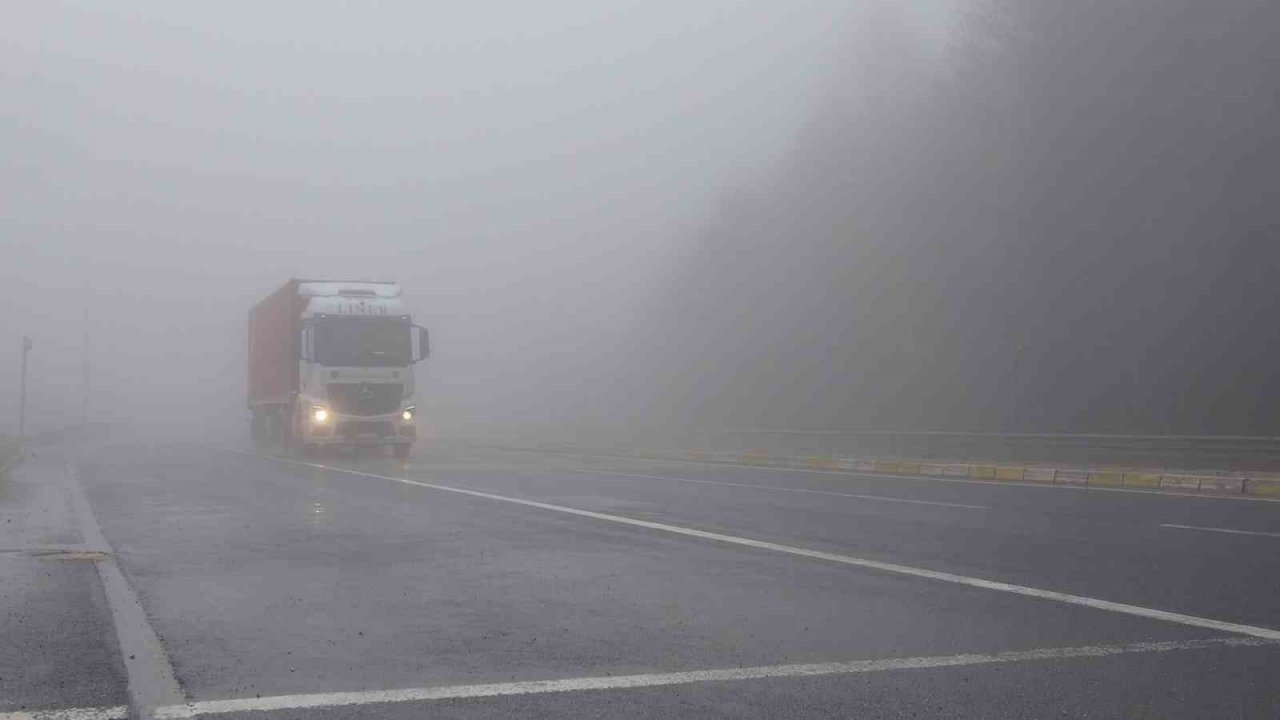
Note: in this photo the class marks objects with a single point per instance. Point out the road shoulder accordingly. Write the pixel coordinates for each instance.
(59, 646)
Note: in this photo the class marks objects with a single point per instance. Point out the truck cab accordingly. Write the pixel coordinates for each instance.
(352, 385)
(357, 349)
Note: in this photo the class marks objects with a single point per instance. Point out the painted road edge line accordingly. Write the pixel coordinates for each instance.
(1222, 530)
(1117, 607)
(150, 675)
(809, 491)
(622, 682)
(118, 712)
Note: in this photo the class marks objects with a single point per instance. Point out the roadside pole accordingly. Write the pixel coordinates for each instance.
(84, 389)
(22, 392)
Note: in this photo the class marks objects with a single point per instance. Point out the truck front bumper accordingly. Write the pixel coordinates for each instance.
(349, 431)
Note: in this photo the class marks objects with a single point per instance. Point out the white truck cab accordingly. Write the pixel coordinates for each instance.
(355, 366)
(354, 345)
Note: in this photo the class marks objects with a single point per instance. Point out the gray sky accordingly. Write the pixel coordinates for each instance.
(527, 170)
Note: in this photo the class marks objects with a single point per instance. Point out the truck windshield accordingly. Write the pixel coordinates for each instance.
(363, 342)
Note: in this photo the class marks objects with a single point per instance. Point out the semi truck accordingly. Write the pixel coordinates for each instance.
(330, 365)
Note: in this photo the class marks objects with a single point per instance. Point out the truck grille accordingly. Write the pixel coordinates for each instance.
(355, 428)
(365, 398)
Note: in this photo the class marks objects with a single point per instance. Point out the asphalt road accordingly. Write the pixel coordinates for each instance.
(479, 583)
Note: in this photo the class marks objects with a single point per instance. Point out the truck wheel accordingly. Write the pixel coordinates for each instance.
(275, 425)
(290, 436)
(401, 452)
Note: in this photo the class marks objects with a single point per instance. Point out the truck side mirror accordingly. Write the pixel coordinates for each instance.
(306, 344)
(424, 343)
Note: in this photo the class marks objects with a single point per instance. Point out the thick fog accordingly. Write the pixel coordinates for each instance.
(528, 172)
(935, 214)
(1064, 218)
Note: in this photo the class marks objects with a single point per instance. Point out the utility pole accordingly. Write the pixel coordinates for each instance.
(22, 392)
(84, 389)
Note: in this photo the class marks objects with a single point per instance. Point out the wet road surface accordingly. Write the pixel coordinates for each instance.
(479, 583)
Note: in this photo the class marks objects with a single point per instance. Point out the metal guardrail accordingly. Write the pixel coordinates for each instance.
(1215, 453)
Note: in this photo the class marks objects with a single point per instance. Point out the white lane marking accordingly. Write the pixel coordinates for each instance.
(1117, 607)
(620, 682)
(119, 712)
(933, 478)
(1223, 530)
(150, 676)
(883, 498)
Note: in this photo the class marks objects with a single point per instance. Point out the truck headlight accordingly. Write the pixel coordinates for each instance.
(407, 413)
(319, 414)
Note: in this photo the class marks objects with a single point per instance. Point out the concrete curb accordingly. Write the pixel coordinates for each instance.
(1234, 484)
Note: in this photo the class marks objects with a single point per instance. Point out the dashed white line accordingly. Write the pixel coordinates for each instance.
(1116, 607)
(1222, 530)
(621, 682)
(882, 498)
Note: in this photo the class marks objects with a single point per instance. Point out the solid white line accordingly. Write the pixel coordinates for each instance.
(119, 712)
(150, 676)
(785, 489)
(1191, 620)
(619, 682)
(1223, 530)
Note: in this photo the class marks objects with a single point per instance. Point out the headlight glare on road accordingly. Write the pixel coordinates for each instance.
(319, 414)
